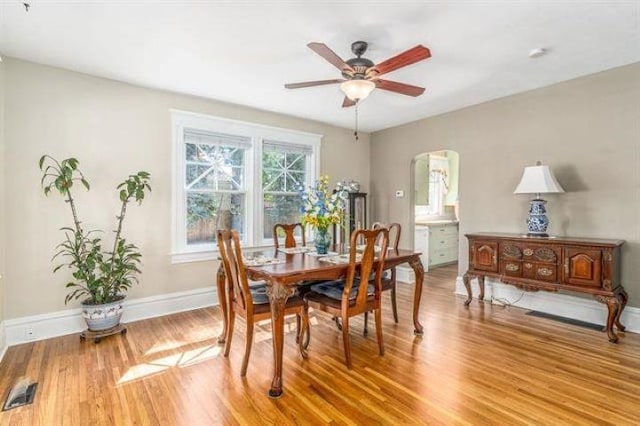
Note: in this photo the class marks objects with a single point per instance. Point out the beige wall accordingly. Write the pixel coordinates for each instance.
(587, 130)
(113, 129)
(2, 196)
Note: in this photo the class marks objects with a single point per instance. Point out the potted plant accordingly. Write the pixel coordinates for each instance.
(100, 276)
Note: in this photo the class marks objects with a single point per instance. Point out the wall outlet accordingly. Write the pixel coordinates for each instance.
(29, 334)
(399, 193)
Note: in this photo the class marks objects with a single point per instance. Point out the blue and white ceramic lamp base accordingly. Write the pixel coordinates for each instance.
(537, 222)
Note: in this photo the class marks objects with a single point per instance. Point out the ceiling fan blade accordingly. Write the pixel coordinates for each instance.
(312, 83)
(402, 88)
(328, 54)
(347, 102)
(409, 57)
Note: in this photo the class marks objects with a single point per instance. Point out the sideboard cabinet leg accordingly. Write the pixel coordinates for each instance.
(466, 278)
(613, 306)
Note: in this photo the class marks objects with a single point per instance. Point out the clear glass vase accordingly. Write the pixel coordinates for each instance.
(322, 241)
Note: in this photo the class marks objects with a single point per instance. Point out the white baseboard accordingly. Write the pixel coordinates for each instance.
(564, 305)
(3, 341)
(45, 326)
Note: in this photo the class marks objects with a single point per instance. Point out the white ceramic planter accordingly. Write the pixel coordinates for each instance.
(102, 317)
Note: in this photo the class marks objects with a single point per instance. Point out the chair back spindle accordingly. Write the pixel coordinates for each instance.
(289, 234)
(231, 254)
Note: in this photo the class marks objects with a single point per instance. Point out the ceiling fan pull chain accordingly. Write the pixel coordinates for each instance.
(355, 133)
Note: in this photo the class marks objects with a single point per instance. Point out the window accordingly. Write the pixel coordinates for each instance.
(285, 168)
(438, 184)
(235, 175)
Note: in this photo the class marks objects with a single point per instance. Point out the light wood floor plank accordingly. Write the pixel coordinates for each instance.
(479, 365)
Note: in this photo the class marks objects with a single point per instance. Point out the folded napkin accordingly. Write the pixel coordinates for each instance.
(361, 247)
(294, 250)
(316, 254)
(262, 261)
(343, 258)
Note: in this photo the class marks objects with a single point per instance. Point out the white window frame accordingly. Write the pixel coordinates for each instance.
(438, 190)
(254, 209)
(310, 172)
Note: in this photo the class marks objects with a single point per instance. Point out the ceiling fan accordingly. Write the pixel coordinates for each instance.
(361, 75)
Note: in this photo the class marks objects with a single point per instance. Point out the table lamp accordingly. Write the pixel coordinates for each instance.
(538, 180)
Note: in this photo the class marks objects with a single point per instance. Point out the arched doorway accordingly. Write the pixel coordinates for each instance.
(436, 206)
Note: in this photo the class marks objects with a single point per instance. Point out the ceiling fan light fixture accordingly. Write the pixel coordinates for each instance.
(357, 90)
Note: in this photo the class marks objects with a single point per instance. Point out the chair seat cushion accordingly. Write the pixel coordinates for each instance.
(259, 293)
(334, 289)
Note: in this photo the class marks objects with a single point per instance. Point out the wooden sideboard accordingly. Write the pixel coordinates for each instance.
(590, 266)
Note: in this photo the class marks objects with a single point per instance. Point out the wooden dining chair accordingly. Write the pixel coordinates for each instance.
(389, 280)
(251, 302)
(289, 234)
(290, 242)
(352, 296)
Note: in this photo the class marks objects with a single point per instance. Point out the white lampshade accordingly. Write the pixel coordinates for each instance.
(538, 180)
(357, 89)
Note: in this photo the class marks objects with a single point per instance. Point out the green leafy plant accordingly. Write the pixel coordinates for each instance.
(99, 276)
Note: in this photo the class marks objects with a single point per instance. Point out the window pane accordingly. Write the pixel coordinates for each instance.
(273, 180)
(207, 212)
(296, 162)
(214, 167)
(295, 180)
(192, 152)
(280, 209)
(283, 172)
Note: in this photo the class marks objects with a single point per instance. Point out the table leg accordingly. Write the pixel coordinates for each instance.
(222, 299)
(418, 269)
(278, 295)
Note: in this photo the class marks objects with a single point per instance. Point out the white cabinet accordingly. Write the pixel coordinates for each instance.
(443, 244)
(437, 242)
(421, 244)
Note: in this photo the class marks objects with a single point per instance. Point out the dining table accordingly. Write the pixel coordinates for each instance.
(285, 270)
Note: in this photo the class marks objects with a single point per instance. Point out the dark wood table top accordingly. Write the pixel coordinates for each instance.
(304, 266)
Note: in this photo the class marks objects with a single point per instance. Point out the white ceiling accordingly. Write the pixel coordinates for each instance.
(243, 52)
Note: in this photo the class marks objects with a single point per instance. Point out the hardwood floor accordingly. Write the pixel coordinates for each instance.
(482, 365)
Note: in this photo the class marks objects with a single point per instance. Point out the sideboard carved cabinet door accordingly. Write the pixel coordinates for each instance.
(484, 255)
(583, 267)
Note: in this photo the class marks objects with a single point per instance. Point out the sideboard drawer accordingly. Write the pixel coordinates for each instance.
(511, 268)
(547, 273)
(539, 253)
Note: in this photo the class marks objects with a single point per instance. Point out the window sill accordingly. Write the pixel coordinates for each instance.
(198, 256)
(209, 255)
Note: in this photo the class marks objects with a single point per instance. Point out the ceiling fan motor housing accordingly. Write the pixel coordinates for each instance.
(358, 64)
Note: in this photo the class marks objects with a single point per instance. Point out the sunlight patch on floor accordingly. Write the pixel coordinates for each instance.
(179, 360)
(164, 346)
(263, 328)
